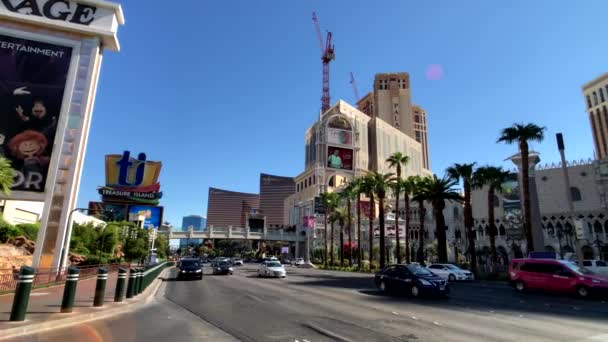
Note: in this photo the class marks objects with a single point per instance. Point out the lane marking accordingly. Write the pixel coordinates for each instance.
(395, 313)
(437, 323)
(39, 293)
(414, 317)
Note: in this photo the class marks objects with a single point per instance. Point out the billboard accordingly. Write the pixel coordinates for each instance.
(153, 215)
(33, 78)
(511, 204)
(339, 136)
(339, 158)
(108, 211)
(130, 180)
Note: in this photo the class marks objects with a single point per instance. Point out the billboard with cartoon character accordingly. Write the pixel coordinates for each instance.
(33, 77)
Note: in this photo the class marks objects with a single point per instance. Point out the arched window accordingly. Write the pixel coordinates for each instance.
(594, 98)
(575, 193)
(340, 122)
(587, 252)
(455, 211)
(496, 201)
(597, 227)
(589, 101)
(550, 230)
(502, 231)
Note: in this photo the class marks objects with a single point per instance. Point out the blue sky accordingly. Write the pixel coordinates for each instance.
(220, 91)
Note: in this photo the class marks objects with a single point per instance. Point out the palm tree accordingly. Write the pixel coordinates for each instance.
(407, 186)
(7, 175)
(522, 133)
(367, 187)
(396, 160)
(493, 177)
(358, 190)
(418, 184)
(437, 191)
(465, 172)
(381, 183)
(396, 188)
(349, 193)
(330, 201)
(339, 215)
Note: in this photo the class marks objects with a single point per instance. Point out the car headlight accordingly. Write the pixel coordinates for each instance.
(229, 268)
(425, 282)
(199, 271)
(182, 271)
(219, 269)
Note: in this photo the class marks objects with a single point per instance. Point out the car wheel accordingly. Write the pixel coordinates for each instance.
(582, 291)
(520, 286)
(382, 287)
(230, 273)
(415, 291)
(452, 278)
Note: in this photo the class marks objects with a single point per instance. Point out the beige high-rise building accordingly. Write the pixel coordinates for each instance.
(596, 100)
(421, 133)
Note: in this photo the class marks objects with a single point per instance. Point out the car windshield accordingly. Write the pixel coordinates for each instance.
(578, 269)
(223, 263)
(418, 270)
(190, 263)
(273, 264)
(452, 267)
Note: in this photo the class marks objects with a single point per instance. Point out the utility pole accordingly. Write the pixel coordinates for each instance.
(561, 147)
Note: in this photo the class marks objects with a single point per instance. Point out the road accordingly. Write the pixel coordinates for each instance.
(313, 305)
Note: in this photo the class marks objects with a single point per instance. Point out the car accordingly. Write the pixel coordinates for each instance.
(297, 262)
(237, 261)
(411, 279)
(271, 269)
(451, 272)
(560, 276)
(222, 267)
(190, 268)
(217, 260)
(597, 266)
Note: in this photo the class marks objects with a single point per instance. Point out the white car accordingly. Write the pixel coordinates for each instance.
(237, 262)
(451, 272)
(596, 266)
(297, 262)
(271, 269)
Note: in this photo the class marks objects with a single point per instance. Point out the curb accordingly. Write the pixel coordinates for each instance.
(124, 307)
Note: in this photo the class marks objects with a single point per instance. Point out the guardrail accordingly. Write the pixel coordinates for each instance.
(139, 280)
(50, 276)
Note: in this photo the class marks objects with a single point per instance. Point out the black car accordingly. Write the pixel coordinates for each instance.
(190, 269)
(222, 267)
(411, 279)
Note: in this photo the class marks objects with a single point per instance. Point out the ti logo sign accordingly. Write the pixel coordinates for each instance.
(124, 166)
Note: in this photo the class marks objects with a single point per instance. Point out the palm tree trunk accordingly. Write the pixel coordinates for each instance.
(372, 211)
(359, 256)
(350, 234)
(407, 228)
(420, 252)
(442, 249)
(468, 223)
(381, 223)
(326, 235)
(491, 192)
(398, 244)
(341, 244)
(331, 245)
(523, 146)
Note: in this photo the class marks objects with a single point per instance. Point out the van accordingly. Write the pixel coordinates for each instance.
(556, 276)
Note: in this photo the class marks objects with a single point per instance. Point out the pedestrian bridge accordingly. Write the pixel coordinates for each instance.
(237, 233)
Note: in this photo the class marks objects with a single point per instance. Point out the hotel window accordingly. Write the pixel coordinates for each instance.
(589, 101)
(575, 193)
(297, 187)
(417, 118)
(310, 180)
(601, 95)
(594, 98)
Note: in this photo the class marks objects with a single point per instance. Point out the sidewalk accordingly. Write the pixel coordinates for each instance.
(45, 304)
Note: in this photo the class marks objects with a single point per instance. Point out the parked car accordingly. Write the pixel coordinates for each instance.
(271, 269)
(297, 262)
(451, 272)
(410, 279)
(597, 266)
(237, 262)
(556, 276)
(190, 268)
(223, 267)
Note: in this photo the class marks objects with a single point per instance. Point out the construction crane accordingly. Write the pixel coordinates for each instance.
(352, 82)
(327, 55)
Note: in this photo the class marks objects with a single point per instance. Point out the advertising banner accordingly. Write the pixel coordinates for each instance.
(153, 215)
(108, 212)
(33, 77)
(513, 214)
(339, 136)
(340, 158)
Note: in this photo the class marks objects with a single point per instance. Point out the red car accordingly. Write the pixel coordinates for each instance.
(557, 276)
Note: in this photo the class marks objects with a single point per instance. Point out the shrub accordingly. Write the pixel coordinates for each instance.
(7, 231)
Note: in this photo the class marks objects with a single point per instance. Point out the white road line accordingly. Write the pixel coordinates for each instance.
(437, 323)
(414, 317)
(39, 293)
(395, 313)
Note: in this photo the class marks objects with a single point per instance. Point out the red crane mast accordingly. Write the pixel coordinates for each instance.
(327, 55)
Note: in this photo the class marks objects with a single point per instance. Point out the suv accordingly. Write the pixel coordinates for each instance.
(555, 275)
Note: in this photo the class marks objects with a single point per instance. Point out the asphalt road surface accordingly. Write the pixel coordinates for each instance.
(313, 305)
